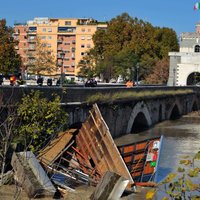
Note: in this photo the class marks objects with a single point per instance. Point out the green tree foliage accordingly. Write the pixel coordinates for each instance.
(86, 65)
(43, 60)
(181, 185)
(40, 119)
(128, 41)
(10, 61)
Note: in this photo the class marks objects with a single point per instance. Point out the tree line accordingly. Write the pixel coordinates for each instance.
(129, 47)
(127, 44)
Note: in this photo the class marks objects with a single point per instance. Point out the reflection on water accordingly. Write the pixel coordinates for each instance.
(181, 137)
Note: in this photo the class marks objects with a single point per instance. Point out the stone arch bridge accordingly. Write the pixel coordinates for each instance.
(122, 116)
(137, 115)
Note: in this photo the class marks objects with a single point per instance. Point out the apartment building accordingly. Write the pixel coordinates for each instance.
(68, 39)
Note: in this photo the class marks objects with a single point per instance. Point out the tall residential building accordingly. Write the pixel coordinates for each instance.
(68, 39)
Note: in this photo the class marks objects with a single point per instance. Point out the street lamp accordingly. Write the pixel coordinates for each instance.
(174, 78)
(137, 70)
(62, 75)
(195, 78)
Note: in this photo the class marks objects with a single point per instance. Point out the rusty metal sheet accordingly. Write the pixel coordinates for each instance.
(95, 141)
(56, 147)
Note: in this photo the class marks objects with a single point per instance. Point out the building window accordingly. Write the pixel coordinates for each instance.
(67, 22)
(32, 37)
(197, 48)
(66, 29)
(32, 46)
(67, 43)
(49, 45)
(88, 46)
(32, 29)
(89, 37)
(49, 37)
(49, 29)
(89, 30)
(83, 30)
(43, 37)
(73, 49)
(82, 37)
(43, 29)
(82, 53)
(82, 46)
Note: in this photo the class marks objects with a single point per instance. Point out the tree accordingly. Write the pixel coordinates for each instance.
(32, 122)
(160, 73)
(7, 134)
(125, 64)
(10, 61)
(167, 41)
(87, 65)
(40, 119)
(42, 61)
(128, 41)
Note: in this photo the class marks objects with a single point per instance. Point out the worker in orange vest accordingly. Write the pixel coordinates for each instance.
(129, 83)
(12, 80)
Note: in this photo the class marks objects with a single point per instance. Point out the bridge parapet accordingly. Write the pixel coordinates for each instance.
(79, 94)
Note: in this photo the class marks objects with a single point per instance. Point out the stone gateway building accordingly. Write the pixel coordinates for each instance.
(185, 64)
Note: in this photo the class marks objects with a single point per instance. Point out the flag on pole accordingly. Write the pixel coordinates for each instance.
(197, 6)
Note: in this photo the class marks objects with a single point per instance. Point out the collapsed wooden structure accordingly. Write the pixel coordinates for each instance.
(84, 156)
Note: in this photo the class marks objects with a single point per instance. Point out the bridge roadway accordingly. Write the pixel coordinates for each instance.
(122, 117)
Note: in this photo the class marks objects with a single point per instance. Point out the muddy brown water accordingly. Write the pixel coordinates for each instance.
(181, 138)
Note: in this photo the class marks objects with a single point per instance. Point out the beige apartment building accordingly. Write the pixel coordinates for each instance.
(68, 39)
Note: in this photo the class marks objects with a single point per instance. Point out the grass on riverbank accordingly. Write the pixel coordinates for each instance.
(129, 95)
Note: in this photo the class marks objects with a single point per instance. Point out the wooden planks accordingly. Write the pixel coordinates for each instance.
(95, 141)
(56, 147)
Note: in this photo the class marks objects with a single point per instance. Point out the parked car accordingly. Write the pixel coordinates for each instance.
(49, 81)
(91, 83)
(1, 79)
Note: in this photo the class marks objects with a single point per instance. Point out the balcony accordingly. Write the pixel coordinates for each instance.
(59, 64)
(59, 41)
(31, 48)
(31, 40)
(60, 49)
(16, 33)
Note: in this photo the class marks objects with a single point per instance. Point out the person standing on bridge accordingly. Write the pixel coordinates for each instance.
(129, 83)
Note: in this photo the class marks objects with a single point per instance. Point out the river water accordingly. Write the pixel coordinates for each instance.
(181, 138)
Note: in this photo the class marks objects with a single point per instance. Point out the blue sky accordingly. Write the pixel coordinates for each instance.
(175, 14)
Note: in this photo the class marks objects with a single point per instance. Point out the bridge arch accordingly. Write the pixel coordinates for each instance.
(197, 48)
(193, 78)
(194, 106)
(175, 111)
(139, 117)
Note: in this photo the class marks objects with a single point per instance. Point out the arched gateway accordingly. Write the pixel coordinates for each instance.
(185, 64)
